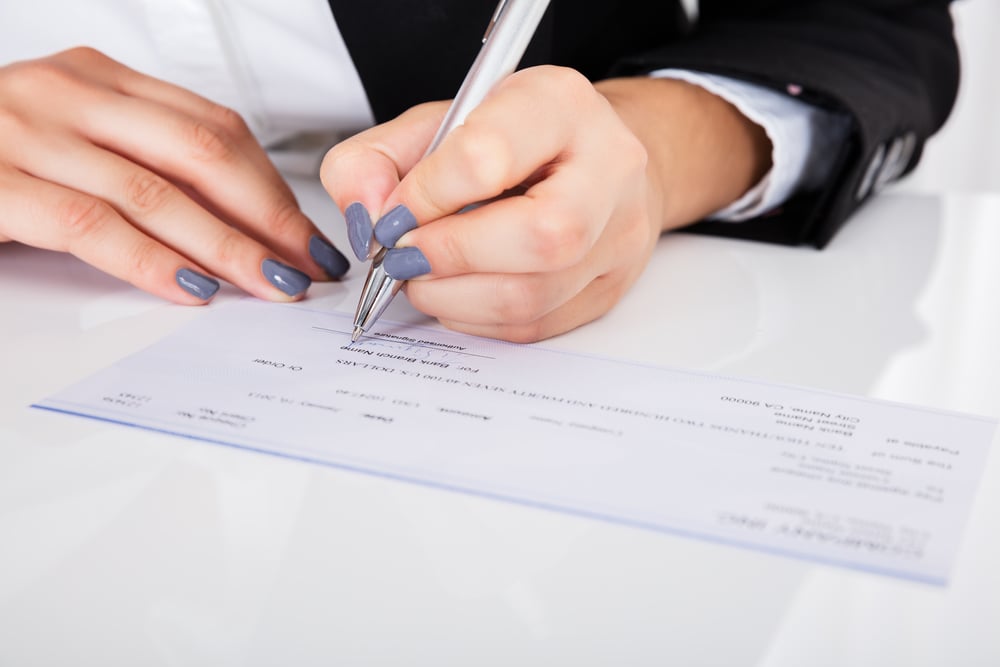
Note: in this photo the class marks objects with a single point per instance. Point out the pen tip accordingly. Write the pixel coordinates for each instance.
(357, 334)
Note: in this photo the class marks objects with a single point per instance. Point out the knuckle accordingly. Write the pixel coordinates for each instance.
(146, 192)
(38, 77)
(485, 156)
(13, 125)
(559, 238)
(142, 258)
(530, 332)
(517, 300)
(633, 151)
(613, 285)
(424, 190)
(84, 54)
(228, 249)
(421, 298)
(284, 219)
(207, 143)
(331, 169)
(452, 247)
(229, 120)
(339, 151)
(345, 153)
(618, 289)
(567, 84)
(329, 165)
(83, 216)
(635, 234)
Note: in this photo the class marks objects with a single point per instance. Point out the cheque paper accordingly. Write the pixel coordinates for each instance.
(843, 480)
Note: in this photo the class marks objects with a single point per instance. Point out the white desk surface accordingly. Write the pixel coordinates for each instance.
(125, 547)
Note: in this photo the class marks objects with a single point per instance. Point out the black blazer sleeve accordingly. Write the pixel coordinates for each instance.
(892, 65)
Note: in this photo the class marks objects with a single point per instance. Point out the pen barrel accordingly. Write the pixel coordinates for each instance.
(503, 47)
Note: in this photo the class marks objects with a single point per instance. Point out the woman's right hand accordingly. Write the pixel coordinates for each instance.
(148, 182)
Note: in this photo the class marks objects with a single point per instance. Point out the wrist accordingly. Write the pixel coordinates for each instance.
(703, 152)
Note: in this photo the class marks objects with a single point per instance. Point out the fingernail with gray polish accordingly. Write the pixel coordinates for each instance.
(290, 281)
(359, 230)
(196, 283)
(405, 263)
(393, 225)
(328, 257)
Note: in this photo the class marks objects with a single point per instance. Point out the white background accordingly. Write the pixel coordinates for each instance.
(965, 155)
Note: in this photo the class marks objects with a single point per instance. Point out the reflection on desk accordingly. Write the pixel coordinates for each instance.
(137, 548)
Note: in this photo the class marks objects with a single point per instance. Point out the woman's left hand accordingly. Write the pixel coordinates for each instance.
(572, 208)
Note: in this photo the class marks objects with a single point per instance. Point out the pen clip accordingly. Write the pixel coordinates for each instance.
(493, 20)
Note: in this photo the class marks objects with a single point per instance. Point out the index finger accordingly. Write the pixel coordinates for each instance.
(364, 169)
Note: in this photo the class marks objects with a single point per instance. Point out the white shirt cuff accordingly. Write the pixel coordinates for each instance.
(803, 139)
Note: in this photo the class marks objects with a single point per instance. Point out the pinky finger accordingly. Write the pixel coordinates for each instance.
(49, 216)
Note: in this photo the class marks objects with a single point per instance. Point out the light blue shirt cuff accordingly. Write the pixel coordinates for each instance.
(804, 140)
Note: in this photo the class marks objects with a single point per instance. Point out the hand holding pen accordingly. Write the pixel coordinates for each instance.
(510, 29)
(572, 179)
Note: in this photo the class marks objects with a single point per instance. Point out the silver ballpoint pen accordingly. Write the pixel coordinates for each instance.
(510, 30)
